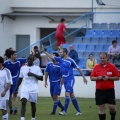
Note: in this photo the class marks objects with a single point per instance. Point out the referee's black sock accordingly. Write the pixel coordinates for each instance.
(113, 115)
(102, 116)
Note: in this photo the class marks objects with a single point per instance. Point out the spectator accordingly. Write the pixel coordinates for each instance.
(114, 51)
(36, 60)
(91, 62)
(59, 33)
(73, 54)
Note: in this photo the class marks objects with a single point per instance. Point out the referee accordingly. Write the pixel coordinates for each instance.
(105, 74)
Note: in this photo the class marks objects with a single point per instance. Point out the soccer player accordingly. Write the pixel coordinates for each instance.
(54, 72)
(14, 65)
(29, 76)
(67, 64)
(105, 74)
(5, 82)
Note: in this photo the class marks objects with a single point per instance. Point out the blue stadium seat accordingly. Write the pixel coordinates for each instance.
(103, 26)
(118, 26)
(106, 33)
(113, 26)
(98, 60)
(118, 40)
(96, 55)
(82, 63)
(49, 50)
(86, 40)
(76, 73)
(103, 40)
(90, 48)
(81, 47)
(115, 33)
(110, 39)
(66, 46)
(89, 33)
(98, 33)
(98, 48)
(94, 40)
(86, 54)
(96, 26)
(80, 54)
(75, 45)
(78, 40)
(105, 47)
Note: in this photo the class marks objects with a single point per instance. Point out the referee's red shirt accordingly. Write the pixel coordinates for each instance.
(108, 70)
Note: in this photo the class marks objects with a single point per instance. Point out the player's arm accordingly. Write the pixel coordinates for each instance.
(6, 89)
(46, 77)
(80, 71)
(65, 31)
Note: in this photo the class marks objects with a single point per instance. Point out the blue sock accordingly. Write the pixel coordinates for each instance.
(75, 103)
(60, 105)
(67, 100)
(55, 105)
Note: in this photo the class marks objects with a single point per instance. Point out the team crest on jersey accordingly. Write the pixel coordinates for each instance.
(109, 73)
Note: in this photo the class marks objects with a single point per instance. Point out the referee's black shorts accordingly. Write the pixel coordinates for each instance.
(105, 96)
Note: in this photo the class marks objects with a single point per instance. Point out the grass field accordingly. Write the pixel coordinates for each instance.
(44, 107)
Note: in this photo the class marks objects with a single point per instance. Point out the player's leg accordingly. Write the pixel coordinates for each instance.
(100, 101)
(24, 97)
(33, 99)
(112, 103)
(4, 107)
(10, 99)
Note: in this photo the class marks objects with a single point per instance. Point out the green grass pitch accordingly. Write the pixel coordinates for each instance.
(44, 108)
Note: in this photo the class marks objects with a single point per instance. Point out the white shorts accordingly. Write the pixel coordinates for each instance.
(32, 97)
(3, 104)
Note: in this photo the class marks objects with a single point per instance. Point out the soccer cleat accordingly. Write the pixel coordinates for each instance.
(78, 113)
(15, 112)
(52, 113)
(11, 111)
(62, 113)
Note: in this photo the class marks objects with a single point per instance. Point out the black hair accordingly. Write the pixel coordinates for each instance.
(11, 52)
(56, 54)
(62, 20)
(114, 41)
(90, 55)
(65, 50)
(1, 60)
(35, 47)
(7, 52)
(31, 56)
(104, 53)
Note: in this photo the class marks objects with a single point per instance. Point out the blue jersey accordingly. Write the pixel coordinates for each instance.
(54, 72)
(14, 67)
(67, 66)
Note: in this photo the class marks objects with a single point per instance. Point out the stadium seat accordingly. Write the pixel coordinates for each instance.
(106, 33)
(86, 40)
(96, 55)
(82, 63)
(98, 48)
(98, 60)
(98, 33)
(110, 39)
(78, 40)
(66, 46)
(90, 48)
(112, 26)
(89, 33)
(118, 26)
(80, 54)
(94, 40)
(81, 47)
(86, 54)
(105, 47)
(49, 50)
(103, 26)
(96, 26)
(114, 33)
(75, 45)
(103, 40)
(118, 40)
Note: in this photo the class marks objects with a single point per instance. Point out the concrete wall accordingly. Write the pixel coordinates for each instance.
(80, 89)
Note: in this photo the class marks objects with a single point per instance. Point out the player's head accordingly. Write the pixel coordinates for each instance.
(1, 61)
(12, 55)
(30, 60)
(62, 20)
(55, 54)
(114, 43)
(35, 48)
(63, 52)
(103, 58)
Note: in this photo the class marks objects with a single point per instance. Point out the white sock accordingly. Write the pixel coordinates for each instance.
(33, 119)
(22, 118)
(5, 117)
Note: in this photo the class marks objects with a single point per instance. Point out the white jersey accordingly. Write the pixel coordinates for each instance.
(29, 84)
(5, 78)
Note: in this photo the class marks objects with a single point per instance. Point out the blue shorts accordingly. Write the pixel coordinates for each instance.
(55, 88)
(68, 84)
(13, 87)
